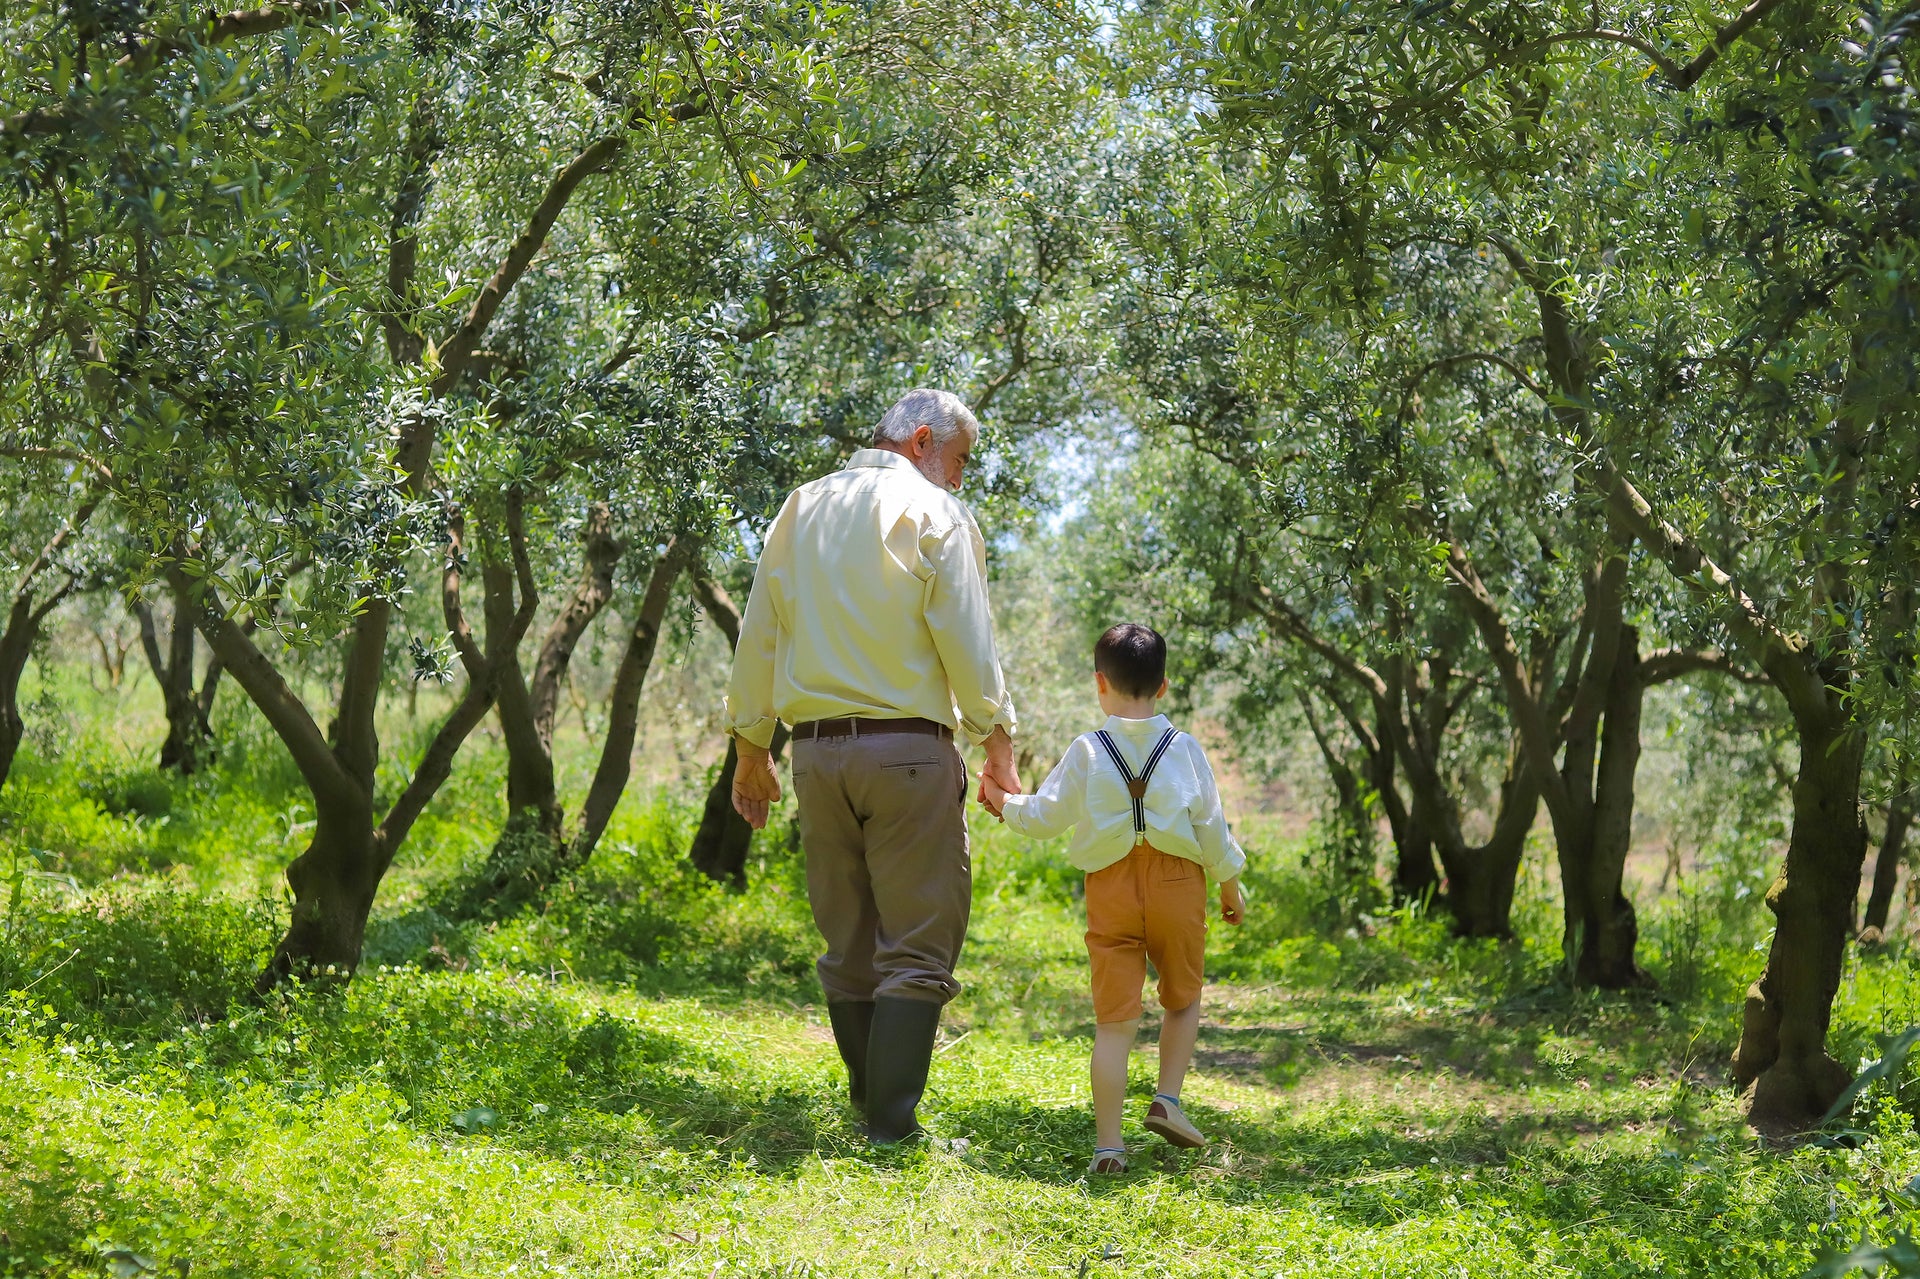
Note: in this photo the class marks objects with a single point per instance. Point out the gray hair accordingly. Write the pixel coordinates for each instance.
(944, 411)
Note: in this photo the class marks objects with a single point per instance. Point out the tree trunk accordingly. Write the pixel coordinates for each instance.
(188, 733)
(24, 617)
(623, 709)
(1609, 927)
(334, 882)
(533, 804)
(533, 842)
(1782, 1055)
(720, 845)
(1886, 868)
(1416, 879)
(1481, 879)
(16, 647)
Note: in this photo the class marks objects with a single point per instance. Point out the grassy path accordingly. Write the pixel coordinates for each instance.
(623, 1134)
(635, 1081)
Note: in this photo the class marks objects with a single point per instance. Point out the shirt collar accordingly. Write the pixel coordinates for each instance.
(1138, 729)
(881, 457)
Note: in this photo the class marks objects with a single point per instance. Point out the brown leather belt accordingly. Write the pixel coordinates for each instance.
(856, 726)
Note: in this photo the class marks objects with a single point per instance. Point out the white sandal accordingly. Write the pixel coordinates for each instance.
(1166, 1118)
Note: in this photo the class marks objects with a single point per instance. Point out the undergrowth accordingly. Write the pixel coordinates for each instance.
(632, 1075)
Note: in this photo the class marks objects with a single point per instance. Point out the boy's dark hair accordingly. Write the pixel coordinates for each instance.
(1133, 658)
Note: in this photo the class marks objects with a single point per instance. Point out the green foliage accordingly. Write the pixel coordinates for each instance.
(1390, 1098)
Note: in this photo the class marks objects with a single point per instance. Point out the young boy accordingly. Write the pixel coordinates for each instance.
(1148, 831)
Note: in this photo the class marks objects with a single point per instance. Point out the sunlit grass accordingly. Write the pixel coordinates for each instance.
(635, 1078)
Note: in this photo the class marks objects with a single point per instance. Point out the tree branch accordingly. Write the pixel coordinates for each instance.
(1766, 644)
(1666, 664)
(282, 708)
(589, 597)
(718, 604)
(70, 526)
(1524, 706)
(506, 627)
(458, 349)
(1282, 617)
(154, 50)
(616, 753)
(1677, 75)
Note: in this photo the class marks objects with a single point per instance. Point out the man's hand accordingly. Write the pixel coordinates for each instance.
(993, 795)
(1000, 768)
(756, 787)
(1233, 906)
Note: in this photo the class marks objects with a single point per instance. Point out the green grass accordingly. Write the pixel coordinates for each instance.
(635, 1078)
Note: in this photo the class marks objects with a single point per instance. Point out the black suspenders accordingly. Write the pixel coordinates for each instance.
(1137, 786)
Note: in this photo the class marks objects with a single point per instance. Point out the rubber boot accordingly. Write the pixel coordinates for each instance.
(852, 1029)
(898, 1056)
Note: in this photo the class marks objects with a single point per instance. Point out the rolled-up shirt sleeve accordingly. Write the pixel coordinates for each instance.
(962, 627)
(1060, 802)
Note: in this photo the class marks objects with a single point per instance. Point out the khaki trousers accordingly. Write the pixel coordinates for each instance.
(1148, 905)
(883, 823)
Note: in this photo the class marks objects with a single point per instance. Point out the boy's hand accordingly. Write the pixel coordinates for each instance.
(1233, 906)
(992, 795)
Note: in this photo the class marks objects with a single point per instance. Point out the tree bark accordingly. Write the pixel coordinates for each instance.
(334, 881)
(1565, 722)
(527, 707)
(1480, 880)
(1886, 868)
(16, 647)
(24, 617)
(535, 849)
(1782, 1054)
(1416, 877)
(721, 842)
(623, 717)
(1609, 927)
(337, 877)
(189, 734)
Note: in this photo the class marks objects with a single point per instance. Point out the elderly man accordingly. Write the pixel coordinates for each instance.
(868, 631)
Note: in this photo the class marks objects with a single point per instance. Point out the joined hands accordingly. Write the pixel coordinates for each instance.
(998, 776)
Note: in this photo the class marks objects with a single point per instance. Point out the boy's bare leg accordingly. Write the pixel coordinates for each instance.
(1112, 1041)
(1177, 1034)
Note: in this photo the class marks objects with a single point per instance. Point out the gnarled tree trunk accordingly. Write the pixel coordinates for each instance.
(1416, 877)
(1481, 879)
(723, 839)
(16, 647)
(528, 708)
(334, 881)
(534, 850)
(720, 844)
(1782, 1054)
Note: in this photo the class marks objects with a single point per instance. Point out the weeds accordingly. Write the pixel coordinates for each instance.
(631, 1076)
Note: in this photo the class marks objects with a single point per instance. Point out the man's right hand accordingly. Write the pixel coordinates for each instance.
(756, 787)
(1000, 767)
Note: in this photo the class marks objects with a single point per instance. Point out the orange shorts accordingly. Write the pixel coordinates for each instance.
(1147, 905)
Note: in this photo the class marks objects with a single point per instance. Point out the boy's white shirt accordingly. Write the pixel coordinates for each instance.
(1086, 792)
